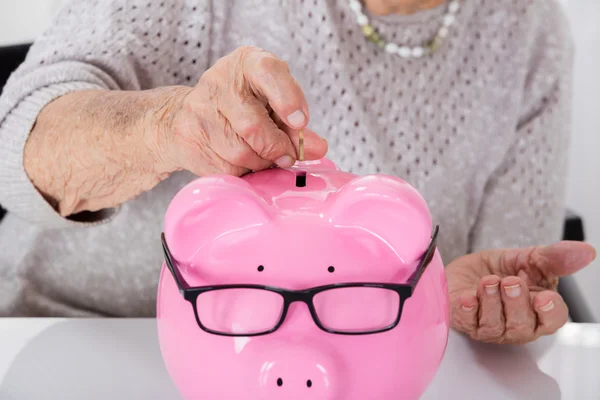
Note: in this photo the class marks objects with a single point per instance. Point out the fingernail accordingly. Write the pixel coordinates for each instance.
(297, 119)
(548, 306)
(491, 289)
(513, 290)
(468, 308)
(285, 162)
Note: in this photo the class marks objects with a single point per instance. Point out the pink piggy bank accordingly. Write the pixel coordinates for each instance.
(307, 283)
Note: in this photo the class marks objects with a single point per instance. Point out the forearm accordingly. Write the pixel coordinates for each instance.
(91, 150)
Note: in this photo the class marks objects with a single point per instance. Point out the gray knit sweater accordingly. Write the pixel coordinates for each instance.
(480, 127)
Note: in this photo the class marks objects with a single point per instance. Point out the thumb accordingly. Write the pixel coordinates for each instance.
(567, 257)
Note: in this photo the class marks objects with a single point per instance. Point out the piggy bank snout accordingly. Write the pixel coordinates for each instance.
(298, 372)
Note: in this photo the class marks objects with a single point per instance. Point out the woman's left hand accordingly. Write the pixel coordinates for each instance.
(509, 295)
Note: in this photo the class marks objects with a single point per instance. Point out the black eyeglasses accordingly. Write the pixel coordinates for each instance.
(356, 308)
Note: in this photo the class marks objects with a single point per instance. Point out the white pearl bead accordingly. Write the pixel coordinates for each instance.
(443, 31)
(404, 52)
(355, 5)
(391, 48)
(362, 19)
(418, 51)
(449, 20)
(453, 6)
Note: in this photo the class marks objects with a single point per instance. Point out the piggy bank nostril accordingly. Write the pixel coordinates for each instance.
(308, 373)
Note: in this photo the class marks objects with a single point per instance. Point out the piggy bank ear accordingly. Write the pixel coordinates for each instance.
(388, 208)
(209, 207)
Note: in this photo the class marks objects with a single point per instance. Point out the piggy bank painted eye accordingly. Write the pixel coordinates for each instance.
(329, 290)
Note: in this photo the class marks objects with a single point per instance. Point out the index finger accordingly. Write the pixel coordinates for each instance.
(271, 78)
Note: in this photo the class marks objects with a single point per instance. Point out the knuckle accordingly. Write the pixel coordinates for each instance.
(270, 63)
(535, 258)
(248, 128)
(260, 58)
(244, 51)
(240, 60)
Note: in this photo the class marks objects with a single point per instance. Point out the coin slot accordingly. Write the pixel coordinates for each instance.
(301, 179)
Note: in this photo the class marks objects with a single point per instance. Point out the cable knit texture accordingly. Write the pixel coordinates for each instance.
(480, 127)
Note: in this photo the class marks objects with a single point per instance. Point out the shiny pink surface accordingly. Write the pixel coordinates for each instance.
(372, 228)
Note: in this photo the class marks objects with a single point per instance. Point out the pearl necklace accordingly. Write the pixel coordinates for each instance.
(406, 51)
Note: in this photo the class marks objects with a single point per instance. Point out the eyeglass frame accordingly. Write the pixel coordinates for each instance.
(404, 291)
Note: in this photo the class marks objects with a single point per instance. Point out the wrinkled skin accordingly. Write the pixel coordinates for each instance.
(510, 295)
(243, 115)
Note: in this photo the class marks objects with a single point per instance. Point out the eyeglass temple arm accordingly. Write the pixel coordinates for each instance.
(181, 284)
(416, 276)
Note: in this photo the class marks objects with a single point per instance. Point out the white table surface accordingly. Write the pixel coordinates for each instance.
(77, 359)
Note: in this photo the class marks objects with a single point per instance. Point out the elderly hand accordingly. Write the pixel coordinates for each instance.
(509, 295)
(244, 114)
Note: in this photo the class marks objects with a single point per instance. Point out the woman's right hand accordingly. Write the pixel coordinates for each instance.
(243, 115)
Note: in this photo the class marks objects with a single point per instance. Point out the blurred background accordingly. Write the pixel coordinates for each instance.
(23, 20)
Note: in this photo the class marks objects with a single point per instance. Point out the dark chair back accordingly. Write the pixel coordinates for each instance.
(579, 310)
(10, 59)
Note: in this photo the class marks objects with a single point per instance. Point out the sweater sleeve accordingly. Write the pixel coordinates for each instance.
(524, 200)
(106, 45)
